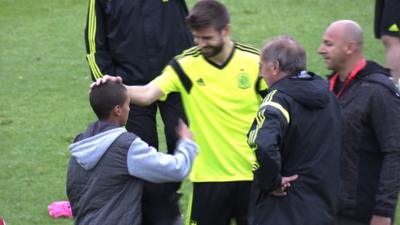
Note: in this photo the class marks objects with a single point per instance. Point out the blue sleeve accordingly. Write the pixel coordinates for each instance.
(148, 164)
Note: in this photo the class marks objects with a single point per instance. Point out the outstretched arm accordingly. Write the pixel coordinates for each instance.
(145, 162)
(139, 95)
(144, 95)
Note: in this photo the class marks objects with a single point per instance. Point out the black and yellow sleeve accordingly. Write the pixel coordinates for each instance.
(97, 56)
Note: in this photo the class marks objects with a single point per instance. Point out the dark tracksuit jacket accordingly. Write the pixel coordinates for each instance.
(297, 131)
(107, 169)
(134, 39)
(370, 175)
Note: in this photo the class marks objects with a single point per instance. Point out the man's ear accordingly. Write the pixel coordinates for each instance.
(226, 30)
(276, 68)
(117, 110)
(351, 46)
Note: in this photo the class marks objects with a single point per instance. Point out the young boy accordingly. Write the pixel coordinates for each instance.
(108, 164)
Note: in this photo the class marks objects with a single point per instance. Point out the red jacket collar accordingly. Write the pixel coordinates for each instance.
(332, 82)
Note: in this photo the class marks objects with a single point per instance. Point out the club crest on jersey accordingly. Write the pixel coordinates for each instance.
(201, 82)
(243, 80)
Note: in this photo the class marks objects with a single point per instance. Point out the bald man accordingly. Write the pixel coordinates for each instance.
(370, 103)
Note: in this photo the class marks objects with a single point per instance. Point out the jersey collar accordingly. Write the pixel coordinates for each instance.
(222, 66)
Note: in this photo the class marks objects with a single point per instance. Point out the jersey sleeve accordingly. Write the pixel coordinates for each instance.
(168, 82)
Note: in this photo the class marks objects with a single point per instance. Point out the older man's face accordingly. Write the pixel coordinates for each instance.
(266, 72)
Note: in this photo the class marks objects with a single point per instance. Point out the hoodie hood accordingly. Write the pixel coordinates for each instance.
(89, 151)
(375, 73)
(371, 68)
(306, 88)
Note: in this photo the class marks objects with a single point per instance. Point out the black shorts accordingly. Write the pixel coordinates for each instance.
(218, 203)
(387, 18)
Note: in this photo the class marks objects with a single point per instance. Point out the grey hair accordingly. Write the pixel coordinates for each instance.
(287, 52)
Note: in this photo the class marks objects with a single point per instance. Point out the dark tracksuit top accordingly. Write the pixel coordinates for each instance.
(370, 170)
(297, 131)
(134, 39)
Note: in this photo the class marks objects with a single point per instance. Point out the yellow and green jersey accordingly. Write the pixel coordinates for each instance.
(221, 102)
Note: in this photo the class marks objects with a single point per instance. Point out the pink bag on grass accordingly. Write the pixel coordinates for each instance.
(2, 222)
(60, 209)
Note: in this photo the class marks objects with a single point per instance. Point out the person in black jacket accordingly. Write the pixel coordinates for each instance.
(387, 28)
(108, 165)
(296, 137)
(135, 39)
(370, 105)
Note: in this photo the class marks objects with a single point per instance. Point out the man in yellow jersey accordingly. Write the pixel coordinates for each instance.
(218, 81)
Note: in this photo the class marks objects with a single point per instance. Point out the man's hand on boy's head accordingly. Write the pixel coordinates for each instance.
(183, 131)
(105, 79)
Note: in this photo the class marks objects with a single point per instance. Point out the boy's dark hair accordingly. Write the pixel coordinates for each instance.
(207, 13)
(105, 97)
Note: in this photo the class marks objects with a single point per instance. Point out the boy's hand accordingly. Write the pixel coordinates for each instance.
(183, 131)
(105, 79)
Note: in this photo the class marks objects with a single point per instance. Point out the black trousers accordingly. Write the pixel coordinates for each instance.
(218, 203)
(160, 201)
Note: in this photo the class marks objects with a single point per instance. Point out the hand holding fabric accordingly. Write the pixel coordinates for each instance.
(380, 220)
(285, 184)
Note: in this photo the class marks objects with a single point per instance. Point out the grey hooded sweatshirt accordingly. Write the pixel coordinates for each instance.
(106, 169)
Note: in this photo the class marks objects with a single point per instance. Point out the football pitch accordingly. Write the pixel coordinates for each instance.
(44, 80)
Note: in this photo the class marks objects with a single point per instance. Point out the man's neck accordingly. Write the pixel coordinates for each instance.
(221, 58)
(350, 65)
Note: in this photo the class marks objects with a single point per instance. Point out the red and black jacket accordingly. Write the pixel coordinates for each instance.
(370, 170)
